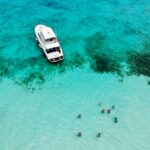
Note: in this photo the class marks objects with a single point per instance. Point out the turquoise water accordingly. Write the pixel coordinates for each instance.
(106, 48)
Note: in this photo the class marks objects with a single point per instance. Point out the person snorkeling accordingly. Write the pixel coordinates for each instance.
(113, 107)
(103, 111)
(115, 120)
(79, 134)
(79, 116)
(98, 135)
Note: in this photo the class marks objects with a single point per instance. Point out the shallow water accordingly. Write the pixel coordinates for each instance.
(106, 48)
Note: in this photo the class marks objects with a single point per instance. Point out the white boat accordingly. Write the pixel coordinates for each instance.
(49, 43)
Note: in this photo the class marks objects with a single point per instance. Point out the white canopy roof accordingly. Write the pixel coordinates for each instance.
(47, 32)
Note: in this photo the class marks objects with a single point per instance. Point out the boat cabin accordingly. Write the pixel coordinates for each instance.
(54, 49)
(47, 36)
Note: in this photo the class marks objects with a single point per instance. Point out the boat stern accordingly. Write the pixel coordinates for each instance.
(56, 59)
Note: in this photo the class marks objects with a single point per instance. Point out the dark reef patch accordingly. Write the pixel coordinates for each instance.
(27, 73)
(32, 81)
(31, 73)
(77, 60)
(139, 63)
(4, 68)
(102, 63)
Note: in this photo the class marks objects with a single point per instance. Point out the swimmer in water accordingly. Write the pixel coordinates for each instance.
(115, 120)
(103, 111)
(113, 107)
(79, 116)
(108, 111)
(98, 135)
(79, 134)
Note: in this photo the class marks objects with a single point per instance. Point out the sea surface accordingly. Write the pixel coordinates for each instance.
(106, 45)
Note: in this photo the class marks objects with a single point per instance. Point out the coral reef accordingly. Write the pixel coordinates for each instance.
(102, 63)
(139, 63)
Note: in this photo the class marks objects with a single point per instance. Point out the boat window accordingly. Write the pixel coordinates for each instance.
(50, 39)
(41, 36)
(51, 50)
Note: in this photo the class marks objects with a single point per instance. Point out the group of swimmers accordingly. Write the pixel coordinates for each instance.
(79, 134)
(108, 111)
